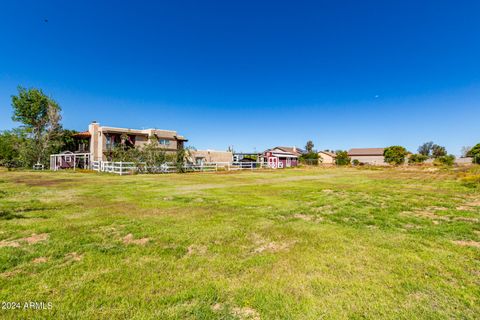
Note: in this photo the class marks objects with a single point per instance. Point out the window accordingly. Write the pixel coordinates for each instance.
(164, 142)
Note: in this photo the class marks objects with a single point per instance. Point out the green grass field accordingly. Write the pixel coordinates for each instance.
(285, 244)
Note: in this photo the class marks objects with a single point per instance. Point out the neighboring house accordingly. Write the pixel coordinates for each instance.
(100, 140)
(202, 156)
(279, 158)
(372, 156)
(326, 157)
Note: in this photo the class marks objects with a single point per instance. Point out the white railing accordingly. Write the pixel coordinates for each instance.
(123, 168)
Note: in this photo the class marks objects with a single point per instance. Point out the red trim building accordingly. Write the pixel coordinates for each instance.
(279, 158)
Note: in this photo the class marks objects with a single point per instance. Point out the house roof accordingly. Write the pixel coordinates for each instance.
(281, 153)
(366, 152)
(293, 150)
(82, 135)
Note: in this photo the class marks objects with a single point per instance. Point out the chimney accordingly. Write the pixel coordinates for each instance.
(93, 127)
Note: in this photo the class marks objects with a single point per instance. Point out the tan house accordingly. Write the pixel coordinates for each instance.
(326, 157)
(372, 156)
(203, 156)
(101, 139)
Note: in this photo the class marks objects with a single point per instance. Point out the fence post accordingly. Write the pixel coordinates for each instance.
(121, 168)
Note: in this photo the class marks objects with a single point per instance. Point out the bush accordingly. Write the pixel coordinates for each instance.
(447, 160)
(471, 178)
(395, 155)
(310, 158)
(356, 162)
(417, 158)
(342, 158)
(475, 153)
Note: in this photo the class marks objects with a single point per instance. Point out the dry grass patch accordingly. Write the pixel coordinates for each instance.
(196, 249)
(10, 274)
(270, 246)
(469, 243)
(469, 206)
(242, 313)
(41, 182)
(74, 256)
(307, 217)
(34, 238)
(40, 260)
(128, 239)
(246, 313)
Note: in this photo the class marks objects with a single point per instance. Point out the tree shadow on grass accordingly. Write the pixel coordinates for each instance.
(9, 215)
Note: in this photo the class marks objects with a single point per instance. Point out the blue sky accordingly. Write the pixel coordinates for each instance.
(253, 74)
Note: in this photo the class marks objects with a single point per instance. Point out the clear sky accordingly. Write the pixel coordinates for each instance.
(253, 74)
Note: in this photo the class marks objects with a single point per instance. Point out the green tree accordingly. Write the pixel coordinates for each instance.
(395, 155)
(10, 147)
(153, 155)
(475, 153)
(40, 116)
(309, 146)
(181, 158)
(438, 151)
(309, 158)
(425, 149)
(342, 158)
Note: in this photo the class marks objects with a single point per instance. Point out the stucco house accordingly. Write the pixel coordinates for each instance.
(372, 156)
(100, 140)
(326, 157)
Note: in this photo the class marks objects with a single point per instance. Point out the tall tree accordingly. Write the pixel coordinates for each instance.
(309, 146)
(425, 149)
(438, 151)
(40, 116)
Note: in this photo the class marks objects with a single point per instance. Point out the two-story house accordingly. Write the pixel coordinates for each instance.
(101, 139)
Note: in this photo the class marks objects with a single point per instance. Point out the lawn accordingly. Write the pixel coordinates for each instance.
(285, 244)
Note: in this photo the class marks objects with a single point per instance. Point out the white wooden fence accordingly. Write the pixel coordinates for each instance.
(123, 168)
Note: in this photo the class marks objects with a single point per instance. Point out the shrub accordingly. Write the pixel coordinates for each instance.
(356, 162)
(310, 158)
(395, 155)
(342, 158)
(471, 178)
(417, 158)
(447, 160)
